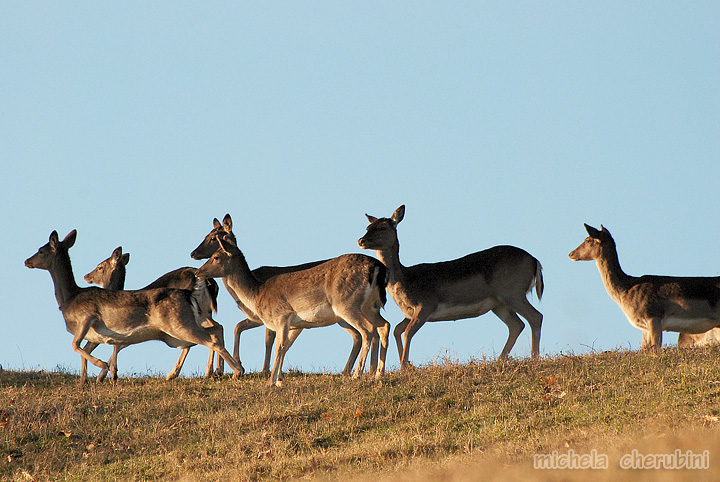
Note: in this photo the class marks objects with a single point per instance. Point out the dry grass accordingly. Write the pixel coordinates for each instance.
(452, 422)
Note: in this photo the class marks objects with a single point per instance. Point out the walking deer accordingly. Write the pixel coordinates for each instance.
(110, 274)
(653, 303)
(497, 279)
(209, 246)
(123, 317)
(350, 288)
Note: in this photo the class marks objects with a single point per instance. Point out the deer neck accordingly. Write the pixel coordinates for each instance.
(390, 257)
(243, 286)
(63, 279)
(614, 278)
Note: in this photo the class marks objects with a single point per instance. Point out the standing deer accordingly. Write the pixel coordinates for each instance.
(209, 246)
(350, 288)
(124, 317)
(652, 303)
(496, 279)
(110, 274)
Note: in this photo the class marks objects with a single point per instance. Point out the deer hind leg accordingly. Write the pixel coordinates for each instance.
(209, 373)
(357, 343)
(515, 327)
(534, 319)
(653, 335)
(193, 333)
(383, 336)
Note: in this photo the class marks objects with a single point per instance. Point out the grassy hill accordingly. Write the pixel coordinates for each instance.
(446, 421)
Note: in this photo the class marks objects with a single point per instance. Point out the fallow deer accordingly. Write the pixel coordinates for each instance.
(110, 274)
(652, 303)
(496, 279)
(350, 288)
(209, 246)
(123, 317)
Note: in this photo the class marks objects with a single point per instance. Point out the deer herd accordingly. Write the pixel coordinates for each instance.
(350, 291)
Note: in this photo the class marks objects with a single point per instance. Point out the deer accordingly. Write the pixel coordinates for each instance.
(124, 317)
(652, 303)
(350, 287)
(110, 274)
(209, 246)
(496, 279)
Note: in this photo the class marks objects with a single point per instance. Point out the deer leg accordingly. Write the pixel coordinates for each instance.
(410, 331)
(239, 328)
(179, 364)
(383, 335)
(281, 345)
(655, 335)
(397, 333)
(113, 361)
(89, 347)
(534, 319)
(515, 327)
(269, 340)
(77, 340)
(357, 343)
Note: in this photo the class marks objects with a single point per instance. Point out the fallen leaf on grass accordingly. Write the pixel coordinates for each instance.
(358, 413)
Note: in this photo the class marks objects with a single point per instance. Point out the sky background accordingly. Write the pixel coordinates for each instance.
(137, 123)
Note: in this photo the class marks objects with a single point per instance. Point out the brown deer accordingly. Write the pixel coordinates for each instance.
(653, 303)
(209, 246)
(110, 274)
(497, 279)
(124, 317)
(350, 288)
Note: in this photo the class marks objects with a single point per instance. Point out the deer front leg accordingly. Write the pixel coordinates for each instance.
(412, 328)
(89, 347)
(397, 333)
(281, 345)
(179, 364)
(77, 340)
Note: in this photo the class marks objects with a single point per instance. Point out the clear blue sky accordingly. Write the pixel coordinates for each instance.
(495, 123)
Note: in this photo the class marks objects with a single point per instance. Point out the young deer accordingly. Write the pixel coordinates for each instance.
(496, 279)
(350, 287)
(652, 303)
(110, 274)
(209, 246)
(124, 317)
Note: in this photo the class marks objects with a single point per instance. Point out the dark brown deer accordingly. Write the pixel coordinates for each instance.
(124, 317)
(496, 279)
(350, 288)
(110, 274)
(653, 303)
(210, 245)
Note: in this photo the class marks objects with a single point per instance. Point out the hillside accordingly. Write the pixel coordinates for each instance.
(446, 421)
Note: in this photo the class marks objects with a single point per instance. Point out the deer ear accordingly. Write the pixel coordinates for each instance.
(223, 245)
(117, 254)
(125, 258)
(216, 223)
(54, 240)
(227, 223)
(69, 240)
(372, 219)
(594, 233)
(399, 214)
